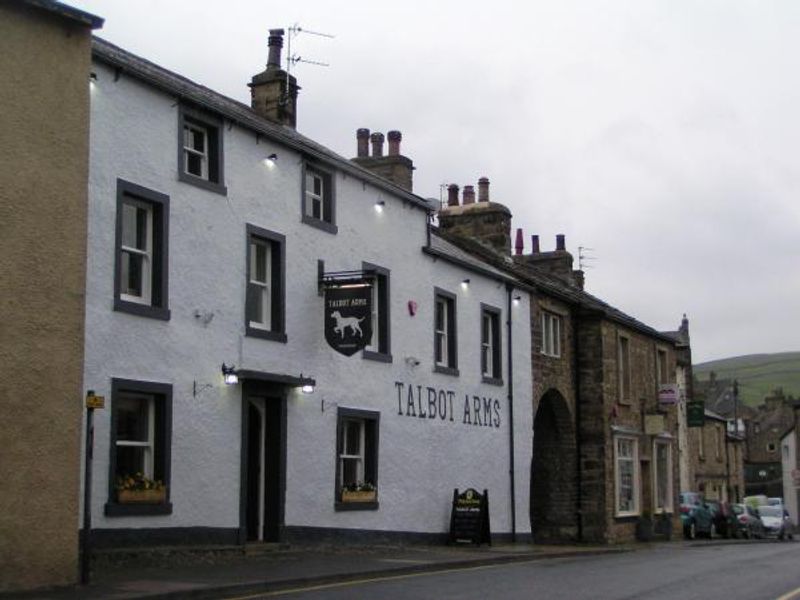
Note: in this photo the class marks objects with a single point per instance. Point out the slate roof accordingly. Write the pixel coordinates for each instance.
(241, 114)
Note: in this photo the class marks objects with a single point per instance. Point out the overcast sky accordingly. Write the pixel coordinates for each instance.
(661, 134)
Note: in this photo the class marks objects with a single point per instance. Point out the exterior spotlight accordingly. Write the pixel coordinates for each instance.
(517, 300)
(465, 283)
(229, 374)
(307, 385)
(379, 206)
(271, 160)
(92, 79)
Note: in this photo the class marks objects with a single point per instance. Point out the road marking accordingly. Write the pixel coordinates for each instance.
(791, 595)
(327, 586)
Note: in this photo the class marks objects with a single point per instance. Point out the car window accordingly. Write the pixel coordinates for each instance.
(770, 511)
(737, 509)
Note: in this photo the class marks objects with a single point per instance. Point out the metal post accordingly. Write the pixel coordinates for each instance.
(86, 546)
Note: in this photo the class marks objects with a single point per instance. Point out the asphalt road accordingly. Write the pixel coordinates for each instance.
(707, 571)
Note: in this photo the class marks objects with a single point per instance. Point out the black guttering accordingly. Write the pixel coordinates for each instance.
(238, 113)
(68, 12)
(509, 292)
(475, 268)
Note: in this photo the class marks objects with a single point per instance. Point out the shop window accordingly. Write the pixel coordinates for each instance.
(319, 199)
(626, 457)
(379, 347)
(265, 301)
(357, 459)
(445, 343)
(140, 445)
(142, 235)
(491, 362)
(200, 151)
(551, 334)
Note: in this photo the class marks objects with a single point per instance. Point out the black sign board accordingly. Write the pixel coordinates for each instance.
(695, 413)
(469, 519)
(348, 317)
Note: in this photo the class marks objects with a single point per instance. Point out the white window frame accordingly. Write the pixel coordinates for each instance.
(188, 148)
(256, 245)
(359, 458)
(146, 253)
(442, 345)
(636, 479)
(551, 334)
(148, 444)
(669, 506)
(488, 335)
(313, 199)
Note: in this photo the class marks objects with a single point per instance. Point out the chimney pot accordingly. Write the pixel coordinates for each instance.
(534, 244)
(362, 141)
(560, 243)
(377, 144)
(519, 245)
(469, 194)
(452, 195)
(275, 44)
(483, 189)
(394, 142)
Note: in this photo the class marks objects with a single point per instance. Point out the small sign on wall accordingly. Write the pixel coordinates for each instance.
(668, 394)
(653, 424)
(348, 317)
(695, 413)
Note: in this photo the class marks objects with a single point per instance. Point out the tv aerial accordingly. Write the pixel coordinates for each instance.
(583, 258)
(293, 59)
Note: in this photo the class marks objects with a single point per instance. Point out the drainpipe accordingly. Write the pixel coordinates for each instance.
(509, 290)
(578, 444)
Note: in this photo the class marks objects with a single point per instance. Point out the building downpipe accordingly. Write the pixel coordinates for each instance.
(509, 291)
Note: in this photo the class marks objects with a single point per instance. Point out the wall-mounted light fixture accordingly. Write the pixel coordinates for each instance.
(307, 384)
(517, 300)
(92, 79)
(229, 374)
(380, 205)
(271, 160)
(465, 284)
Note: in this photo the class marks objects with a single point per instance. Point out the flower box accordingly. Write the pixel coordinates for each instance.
(142, 496)
(362, 496)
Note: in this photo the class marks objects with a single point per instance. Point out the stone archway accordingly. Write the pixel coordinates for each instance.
(553, 472)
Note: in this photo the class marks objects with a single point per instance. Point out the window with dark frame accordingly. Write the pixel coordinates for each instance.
(140, 445)
(491, 362)
(200, 150)
(356, 456)
(379, 347)
(319, 199)
(265, 304)
(142, 235)
(624, 375)
(444, 333)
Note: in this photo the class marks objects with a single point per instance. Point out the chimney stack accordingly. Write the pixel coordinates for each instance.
(557, 262)
(377, 144)
(394, 137)
(362, 139)
(483, 189)
(560, 242)
(469, 195)
(395, 167)
(519, 245)
(534, 244)
(273, 93)
(452, 195)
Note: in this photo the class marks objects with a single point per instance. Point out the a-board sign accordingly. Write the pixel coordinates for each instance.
(469, 519)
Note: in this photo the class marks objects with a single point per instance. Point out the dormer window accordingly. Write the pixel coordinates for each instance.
(200, 156)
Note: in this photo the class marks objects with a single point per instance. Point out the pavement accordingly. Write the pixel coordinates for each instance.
(231, 573)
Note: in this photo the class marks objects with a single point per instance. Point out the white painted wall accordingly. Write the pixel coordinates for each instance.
(134, 137)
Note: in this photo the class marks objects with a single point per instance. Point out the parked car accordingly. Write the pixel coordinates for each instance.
(696, 517)
(776, 521)
(755, 501)
(724, 519)
(750, 525)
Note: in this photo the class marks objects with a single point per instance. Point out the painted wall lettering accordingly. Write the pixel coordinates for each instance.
(430, 403)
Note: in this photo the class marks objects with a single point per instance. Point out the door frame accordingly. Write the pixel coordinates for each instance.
(273, 393)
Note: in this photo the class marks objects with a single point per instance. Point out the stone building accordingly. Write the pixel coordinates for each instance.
(764, 430)
(603, 445)
(44, 94)
(790, 461)
(718, 460)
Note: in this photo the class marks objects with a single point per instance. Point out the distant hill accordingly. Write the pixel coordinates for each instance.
(758, 374)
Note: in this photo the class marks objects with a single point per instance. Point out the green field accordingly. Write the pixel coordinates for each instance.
(758, 374)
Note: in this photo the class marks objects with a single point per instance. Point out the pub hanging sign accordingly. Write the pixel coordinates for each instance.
(348, 314)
